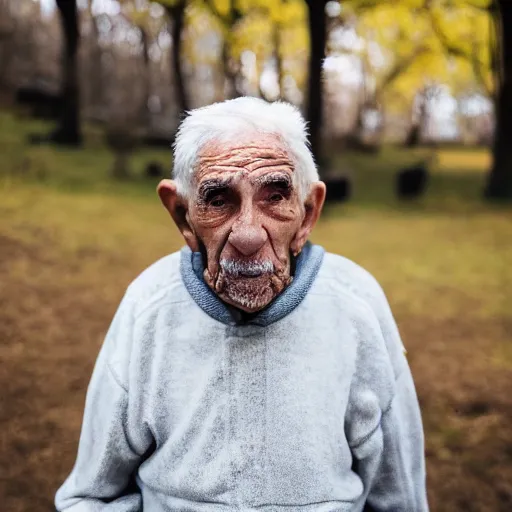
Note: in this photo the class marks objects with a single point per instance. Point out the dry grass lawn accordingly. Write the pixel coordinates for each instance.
(71, 241)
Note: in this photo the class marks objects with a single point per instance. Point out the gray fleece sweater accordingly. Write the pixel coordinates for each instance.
(308, 406)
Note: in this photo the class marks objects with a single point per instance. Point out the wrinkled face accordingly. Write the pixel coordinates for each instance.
(246, 212)
(246, 217)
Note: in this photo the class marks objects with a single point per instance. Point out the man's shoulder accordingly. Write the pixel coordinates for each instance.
(344, 264)
(358, 286)
(346, 276)
(161, 281)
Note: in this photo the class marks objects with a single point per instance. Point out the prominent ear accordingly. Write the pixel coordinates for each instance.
(178, 208)
(313, 207)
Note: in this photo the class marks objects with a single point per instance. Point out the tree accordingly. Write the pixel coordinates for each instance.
(421, 111)
(176, 13)
(228, 15)
(139, 13)
(499, 184)
(7, 31)
(393, 41)
(497, 62)
(422, 42)
(255, 35)
(317, 40)
(468, 41)
(175, 10)
(68, 131)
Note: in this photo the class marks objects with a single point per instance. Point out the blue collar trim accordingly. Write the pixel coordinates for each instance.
(307, 265)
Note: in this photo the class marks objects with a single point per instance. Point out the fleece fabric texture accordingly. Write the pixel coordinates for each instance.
(189, 410)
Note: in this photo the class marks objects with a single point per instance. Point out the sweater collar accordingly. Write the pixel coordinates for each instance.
(307, 265)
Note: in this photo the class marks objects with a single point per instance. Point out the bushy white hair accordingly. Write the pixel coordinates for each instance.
(228, 121)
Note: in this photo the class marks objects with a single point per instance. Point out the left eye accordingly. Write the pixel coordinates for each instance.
(276, 197)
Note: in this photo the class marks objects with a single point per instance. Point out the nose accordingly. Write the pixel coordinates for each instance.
(247, 235)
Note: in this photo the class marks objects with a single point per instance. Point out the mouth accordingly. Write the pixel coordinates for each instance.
(250, 273)
(252, 270)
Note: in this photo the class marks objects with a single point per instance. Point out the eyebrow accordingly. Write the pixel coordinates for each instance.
(213, 185)
(280, 180)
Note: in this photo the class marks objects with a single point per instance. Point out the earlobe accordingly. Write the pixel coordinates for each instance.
(178, 209)
(313, 207)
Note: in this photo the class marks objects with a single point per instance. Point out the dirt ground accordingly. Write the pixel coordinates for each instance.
(51, 330)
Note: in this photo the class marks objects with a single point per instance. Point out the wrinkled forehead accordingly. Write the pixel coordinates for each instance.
(248, 153)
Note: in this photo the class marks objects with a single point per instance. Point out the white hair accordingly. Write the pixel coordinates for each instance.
(228, 121)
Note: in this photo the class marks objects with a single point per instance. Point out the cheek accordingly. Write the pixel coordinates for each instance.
(211, 218)
(285, 212)
(283, 220)
(212, 228)
(282, 233)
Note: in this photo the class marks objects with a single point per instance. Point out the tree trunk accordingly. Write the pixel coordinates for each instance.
(120, 169)
(68, 131)
(177, 15)
(96, 80)
(145, 112)
(229, 20)
(7, 45)
(499, 184)
(413, 138)
(317, 37)
(228, 73)
(276, 35)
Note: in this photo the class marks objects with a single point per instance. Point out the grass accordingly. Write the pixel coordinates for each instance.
(71, 239)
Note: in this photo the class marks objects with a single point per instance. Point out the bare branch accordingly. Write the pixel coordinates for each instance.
(448, 45)
(456, 51)
(399, 68)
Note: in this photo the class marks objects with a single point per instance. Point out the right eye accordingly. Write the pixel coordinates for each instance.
(276, 197)
(217, 202)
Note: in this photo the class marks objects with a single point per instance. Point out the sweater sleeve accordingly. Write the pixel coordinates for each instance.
(388, 452)
(107, 459)
(398, 482)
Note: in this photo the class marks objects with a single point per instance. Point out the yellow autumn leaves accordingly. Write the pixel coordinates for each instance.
(419, 41)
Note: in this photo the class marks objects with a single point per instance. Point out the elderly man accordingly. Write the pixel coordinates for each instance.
(251, 370)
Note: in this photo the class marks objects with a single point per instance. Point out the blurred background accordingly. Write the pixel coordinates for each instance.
(409, 104)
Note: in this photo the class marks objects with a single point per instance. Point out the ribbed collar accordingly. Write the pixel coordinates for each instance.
(307, 265)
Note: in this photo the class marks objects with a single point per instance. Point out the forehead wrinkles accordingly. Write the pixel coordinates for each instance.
(252, 155)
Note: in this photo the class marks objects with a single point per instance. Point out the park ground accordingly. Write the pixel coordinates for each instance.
(71, 240)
